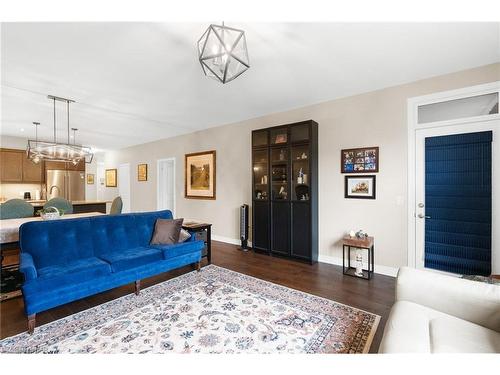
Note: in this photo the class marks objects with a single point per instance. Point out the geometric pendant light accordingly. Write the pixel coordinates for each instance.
(222, 52)
(58, 151)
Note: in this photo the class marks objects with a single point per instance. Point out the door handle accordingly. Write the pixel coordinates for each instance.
(422, 216)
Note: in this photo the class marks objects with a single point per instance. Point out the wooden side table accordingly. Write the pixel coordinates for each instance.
(363, 244)
(202, 231)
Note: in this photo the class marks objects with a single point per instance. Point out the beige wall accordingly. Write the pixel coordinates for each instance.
(373, 119)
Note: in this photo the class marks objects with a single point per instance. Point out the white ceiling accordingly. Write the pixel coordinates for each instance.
(138, 82)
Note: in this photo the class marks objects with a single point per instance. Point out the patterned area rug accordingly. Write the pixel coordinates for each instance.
(212, 311)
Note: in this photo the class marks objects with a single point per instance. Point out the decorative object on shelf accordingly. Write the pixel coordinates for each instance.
(58, 151)
(352, 234)
(142, 172)
(359, 264)
(280, 138)
(282, 154)
(51, 213)
(90, 179)
(222, 52)
(359, 187)
(359, 160)
(302, 192)
(111, 178)
(200, 175)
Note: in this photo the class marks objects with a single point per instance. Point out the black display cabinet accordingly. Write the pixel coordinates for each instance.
(285, 190)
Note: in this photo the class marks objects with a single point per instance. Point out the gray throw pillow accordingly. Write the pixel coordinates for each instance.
(184, 235)
(166, 231)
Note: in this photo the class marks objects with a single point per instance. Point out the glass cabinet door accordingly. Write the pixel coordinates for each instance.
(279, 187)
(300, 173)
(260, 174)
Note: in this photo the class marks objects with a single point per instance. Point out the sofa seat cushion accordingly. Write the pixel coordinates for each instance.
(130, 258)
(461, 336)
(178, 249)
(413, 328)
(79, 270)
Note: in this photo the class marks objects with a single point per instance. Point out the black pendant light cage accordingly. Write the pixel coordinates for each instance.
(58, 151)
(223, 53)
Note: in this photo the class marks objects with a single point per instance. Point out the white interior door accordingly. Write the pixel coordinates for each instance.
(124, 186)
(166, 185)
(419, 209)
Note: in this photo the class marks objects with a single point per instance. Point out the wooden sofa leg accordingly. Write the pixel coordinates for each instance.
(31, 323)
(198, 266)
(137, 287)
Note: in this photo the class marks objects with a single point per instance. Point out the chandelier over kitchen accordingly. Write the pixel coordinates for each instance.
(58, 151)
(222, 52)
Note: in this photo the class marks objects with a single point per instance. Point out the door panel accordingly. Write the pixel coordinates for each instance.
(280, 227)
(456, 196)
(261, 225)
(301, 229)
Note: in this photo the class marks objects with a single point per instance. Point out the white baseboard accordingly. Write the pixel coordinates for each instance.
(232, 241)
(383, 270)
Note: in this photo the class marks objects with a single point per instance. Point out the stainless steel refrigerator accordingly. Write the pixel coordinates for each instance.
(65, 184)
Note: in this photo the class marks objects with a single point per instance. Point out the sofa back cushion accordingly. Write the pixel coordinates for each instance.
(56, 242)
(113, 233)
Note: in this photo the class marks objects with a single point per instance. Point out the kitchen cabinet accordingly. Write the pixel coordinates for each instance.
(32, 172)
(16, 167)
(11, 165)
(60, 165)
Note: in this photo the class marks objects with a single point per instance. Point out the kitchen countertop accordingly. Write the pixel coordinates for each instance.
(9, 228)
(39, 203)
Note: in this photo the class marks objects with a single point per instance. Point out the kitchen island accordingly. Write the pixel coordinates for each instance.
(79, 207)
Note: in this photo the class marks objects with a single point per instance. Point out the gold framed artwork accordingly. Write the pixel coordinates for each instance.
(142, 172)
(90, 179)
(199, 176)
(110, 177)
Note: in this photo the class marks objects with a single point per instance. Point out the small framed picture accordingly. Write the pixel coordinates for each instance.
(281, 138)
(359, 160)
(90, 179)
(142, 172)
(110, 177)
(360, 187)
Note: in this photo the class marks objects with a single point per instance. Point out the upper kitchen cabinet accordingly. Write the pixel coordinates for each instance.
(79, 167)
(11, 165)
(16, 167)
(32, 172)
(60, 165)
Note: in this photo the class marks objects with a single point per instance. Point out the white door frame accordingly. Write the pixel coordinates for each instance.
(413, 126)
(158, 183)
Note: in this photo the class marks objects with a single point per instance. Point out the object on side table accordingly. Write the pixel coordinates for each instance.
(360, 244)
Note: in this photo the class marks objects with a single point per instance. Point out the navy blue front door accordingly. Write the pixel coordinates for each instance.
(458, 203)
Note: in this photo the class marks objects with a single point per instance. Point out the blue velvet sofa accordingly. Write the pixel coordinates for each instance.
(65, 260)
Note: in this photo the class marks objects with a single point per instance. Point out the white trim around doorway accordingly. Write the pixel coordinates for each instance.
(413, 126)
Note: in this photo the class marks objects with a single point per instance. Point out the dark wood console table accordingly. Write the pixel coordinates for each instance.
(202, 231)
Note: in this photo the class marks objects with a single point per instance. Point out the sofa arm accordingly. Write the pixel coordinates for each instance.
(27, 267)
(474, 301)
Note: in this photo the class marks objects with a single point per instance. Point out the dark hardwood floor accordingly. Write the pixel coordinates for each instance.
(321, 279)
